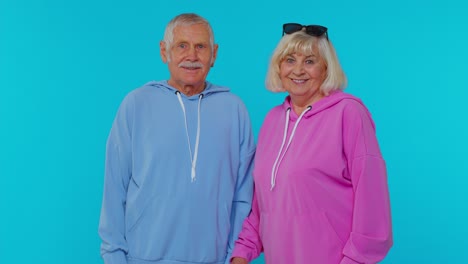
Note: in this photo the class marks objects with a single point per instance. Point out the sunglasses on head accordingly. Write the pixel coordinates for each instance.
(313, 30)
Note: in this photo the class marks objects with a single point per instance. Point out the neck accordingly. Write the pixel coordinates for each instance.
(188, 90)
(191, 90)
(299, 103)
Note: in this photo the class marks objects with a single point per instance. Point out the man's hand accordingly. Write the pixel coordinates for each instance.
(237, 260)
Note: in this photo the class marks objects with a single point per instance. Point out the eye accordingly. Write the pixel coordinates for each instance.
(200, 46)
(289, 60)
(182, 45)
(309, 62)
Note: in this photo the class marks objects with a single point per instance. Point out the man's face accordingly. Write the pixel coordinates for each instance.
(190, 57)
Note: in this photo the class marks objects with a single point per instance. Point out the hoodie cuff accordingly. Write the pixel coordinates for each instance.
(116, 257)
(238, 252)
(347, 260)
(228, 257)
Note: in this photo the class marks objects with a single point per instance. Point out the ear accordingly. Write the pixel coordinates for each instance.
(163, 51)
(215, 54)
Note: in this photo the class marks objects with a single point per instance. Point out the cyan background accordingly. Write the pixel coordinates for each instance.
(66, 65)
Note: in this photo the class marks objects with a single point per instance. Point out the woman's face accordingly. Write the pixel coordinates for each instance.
(302, 75)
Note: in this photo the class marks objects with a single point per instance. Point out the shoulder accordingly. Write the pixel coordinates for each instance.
(355, 112)
(275, 113)
(148, 93)
(231, 98)
(224, 95)
(144, 91)
(276, 110)
(351, 105)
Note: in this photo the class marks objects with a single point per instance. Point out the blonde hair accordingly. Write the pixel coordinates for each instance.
(303, 43)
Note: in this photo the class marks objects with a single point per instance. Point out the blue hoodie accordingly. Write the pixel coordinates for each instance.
(178, 181)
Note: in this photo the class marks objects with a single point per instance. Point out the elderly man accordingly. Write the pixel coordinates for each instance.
(178, 181)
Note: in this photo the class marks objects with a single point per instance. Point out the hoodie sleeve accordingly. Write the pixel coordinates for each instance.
(117, 175)
(249, 245)
(371, 233)
(242, 201)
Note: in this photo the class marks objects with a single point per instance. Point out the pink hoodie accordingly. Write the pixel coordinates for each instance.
(321, 192)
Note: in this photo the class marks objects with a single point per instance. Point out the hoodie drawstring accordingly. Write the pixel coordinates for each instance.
(278, 160)
(193, 157)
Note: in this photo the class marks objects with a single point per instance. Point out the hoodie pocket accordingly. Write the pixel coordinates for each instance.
(148, 229)
(178, 229)
(304, 237)
(224, 226)
(331, 230)
(136, 204)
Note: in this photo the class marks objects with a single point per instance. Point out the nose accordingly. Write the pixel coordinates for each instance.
(298, 69)
(192, 52)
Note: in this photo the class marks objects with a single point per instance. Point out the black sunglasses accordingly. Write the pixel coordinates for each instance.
(313, 30)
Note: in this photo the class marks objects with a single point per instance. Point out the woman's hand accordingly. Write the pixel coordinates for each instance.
(237, 260)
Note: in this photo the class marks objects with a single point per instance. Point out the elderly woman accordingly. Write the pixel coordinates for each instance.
(321, 193)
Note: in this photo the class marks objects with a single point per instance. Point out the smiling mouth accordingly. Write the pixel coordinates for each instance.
(191, 68)
(298, 81)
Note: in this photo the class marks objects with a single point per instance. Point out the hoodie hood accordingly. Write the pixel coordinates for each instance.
(209, 89)
(322, 104)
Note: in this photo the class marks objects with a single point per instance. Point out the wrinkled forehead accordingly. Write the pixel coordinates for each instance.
(193, 32)
(191, 23)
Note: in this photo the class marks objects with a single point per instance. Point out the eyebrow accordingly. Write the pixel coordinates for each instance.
(311, 56)
(307, 57)
(189, 41)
